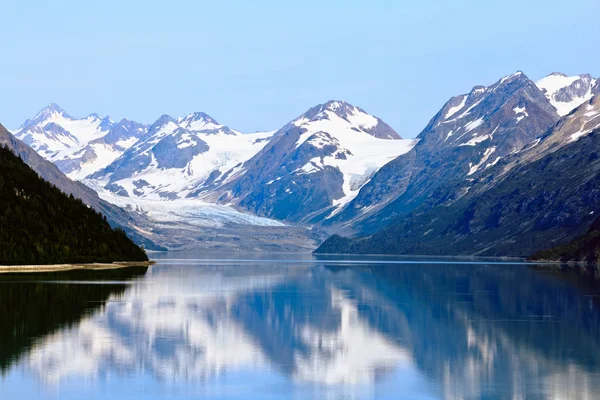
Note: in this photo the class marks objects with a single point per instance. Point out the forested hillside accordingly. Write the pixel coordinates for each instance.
(39, 224)
(585, 248)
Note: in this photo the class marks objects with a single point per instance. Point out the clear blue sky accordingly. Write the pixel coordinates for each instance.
(254, 65)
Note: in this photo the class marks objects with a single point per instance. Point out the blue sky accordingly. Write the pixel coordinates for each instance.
(254, 65)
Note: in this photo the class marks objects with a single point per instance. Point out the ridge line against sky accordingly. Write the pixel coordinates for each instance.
(254, 67)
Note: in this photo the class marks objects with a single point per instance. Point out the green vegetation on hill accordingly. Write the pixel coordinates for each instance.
(585, 248)
(39, 224)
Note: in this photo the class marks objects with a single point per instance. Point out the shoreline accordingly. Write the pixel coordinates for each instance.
(4, 269)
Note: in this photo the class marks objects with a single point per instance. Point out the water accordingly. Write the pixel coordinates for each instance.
(289, 326)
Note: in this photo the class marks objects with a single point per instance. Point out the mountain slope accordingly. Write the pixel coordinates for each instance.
(537, 204)
(585, 248)
(42, 225)
(314, 164)
(470, 134)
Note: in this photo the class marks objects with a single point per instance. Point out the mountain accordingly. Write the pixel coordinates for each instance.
(116, 216)
(471, 133)
(100, 152)
(192, 181)
(568, 92)
(42, 225)
(176, 155)
(313, 165)
(542, 196)
(78, 146)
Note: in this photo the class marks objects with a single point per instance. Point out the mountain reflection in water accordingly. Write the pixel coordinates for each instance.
(280, 328)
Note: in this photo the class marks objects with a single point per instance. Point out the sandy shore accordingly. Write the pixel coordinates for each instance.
(69, 267)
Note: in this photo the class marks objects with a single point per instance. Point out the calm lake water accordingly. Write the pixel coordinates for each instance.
(294, 326)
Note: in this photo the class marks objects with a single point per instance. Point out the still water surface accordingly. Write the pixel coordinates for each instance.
(290, 326)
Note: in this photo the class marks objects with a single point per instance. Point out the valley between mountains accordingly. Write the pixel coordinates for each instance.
(507, 169)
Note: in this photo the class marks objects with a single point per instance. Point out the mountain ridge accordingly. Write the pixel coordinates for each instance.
(516, 208)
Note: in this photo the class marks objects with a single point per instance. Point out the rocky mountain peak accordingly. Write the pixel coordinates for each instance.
(198, 116)
(354, 117)
(51, 108)
(510, 108)
(45, 114)
(161, 122)
(198, 121)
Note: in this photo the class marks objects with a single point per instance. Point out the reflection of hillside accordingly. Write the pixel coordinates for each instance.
(473, 330)
(175, 326)
(479, 330)
(30, 309)
(312, 331)
(195, 323)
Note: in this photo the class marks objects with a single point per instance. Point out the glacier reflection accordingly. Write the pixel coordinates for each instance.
(447, 331)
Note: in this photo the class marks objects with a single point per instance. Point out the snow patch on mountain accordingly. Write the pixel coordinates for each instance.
(453, 110)
(104, 155)
(567, 92)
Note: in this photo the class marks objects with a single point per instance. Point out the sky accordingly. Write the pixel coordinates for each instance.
(255, 65)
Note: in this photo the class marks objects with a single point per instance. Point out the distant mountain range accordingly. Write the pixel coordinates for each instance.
(339, 169)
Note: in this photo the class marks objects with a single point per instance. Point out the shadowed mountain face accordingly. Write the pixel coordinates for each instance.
(542, 196)
(470, 134)
(448, 331)
(585, 248)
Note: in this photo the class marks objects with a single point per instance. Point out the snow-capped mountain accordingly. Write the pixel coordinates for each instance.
(314, 164)
(177, 155)
(53, 132)
(543, 196)
(568, 92)
(470, 134)
(100, 152)
(78, 147)
(334, 167)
